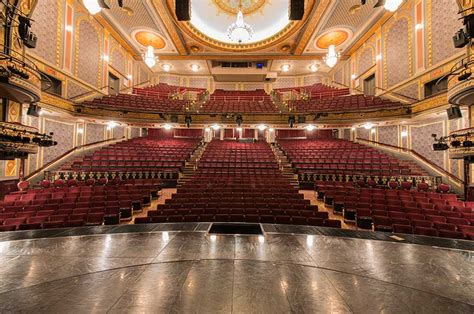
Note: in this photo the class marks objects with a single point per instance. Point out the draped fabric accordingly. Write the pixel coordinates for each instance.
(228, 133)
(248, 133)
(160, 133)
(192, 133)
(319, 134)
(290, 133)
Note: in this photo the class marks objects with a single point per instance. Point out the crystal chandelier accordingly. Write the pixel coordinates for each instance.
(149, 57)
(240, 31)
(331, 57)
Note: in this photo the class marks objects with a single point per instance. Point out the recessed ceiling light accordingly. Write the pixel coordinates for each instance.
(285, 67)
(166, 67)
(195, 67)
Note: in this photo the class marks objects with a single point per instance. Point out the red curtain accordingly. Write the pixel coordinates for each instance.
(319, 134)
(290, 133)
(229, 133)
(160, 133)
(193, 133)
(248, 133)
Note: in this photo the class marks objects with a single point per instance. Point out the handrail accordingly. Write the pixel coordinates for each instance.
(395, 93)
(238, 98)
(37, 171)
(411, 151)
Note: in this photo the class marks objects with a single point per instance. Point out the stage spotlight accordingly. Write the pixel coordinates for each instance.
(467, 143)
(455, 143)
(33, 110)
(440, 146)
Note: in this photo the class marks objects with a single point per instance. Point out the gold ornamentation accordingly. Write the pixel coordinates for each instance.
(232, 7)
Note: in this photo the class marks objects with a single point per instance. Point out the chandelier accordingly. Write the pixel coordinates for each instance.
(149, 57)
(331, 57)
(240, 31)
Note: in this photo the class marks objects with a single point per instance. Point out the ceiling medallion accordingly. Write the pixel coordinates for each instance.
(148, 38)
(232, 7)
(335, 37)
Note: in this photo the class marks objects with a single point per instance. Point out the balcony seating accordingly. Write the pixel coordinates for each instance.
(340, 157)
(401, 210)
(342, 104)
(317, 90)
(137, 155)
(238, 182)
(257, 102)
(71, 206)
(163, 90)
(128, 102)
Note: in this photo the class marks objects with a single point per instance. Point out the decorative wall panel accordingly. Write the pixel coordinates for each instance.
(46, 18)
(94, 133)
(74, 89)
(284, 82)
(444, 23)
(118, 59)
(363, 133)
(170, 80)
(63, 134)
(388, 135)
(366, 60)
(134, 132)
(88, 67)
(346, 134)
(253, 86)
(422, 142)
(410, 91)
(311, 80)
(118, 132)
(198, 82)
(397, 45)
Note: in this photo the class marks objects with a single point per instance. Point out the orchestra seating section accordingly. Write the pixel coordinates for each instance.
(74, 203)
(342, 104)
(253, 102)
(238, 182)
(341, 157)
(163, 90)
(128, 102)
(401, 210)
(144, 154)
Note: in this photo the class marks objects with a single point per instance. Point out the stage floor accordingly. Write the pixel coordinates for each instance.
(180, 268)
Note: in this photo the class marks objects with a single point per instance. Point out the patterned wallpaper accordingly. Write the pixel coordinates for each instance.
(226, 86)
(134, 132)
(170, 80)
(366, 60)
(410, 91)
(63, 134)
(346, 134)
(363, 133)
(118, 132)
(88, 53)
(74, 89)
(283, 82)
(118, 59)
(422, 142)
(94, 133)
(253, 86)
(444, 23)
(143, 75)
(396, 46)
(311, 80)
(46, 16)
(338, 76)
(198, 82)
(388, 135)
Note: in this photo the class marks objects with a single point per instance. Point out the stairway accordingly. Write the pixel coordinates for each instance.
(285, 166)
(191, 165)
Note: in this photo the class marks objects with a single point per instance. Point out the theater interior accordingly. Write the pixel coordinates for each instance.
(236, 156)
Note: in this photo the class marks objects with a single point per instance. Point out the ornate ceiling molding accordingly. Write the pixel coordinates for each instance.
(292, 28)
(170, 26)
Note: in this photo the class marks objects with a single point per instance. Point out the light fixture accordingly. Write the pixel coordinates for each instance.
(331, 57)
(167, 126)
(353, 129)
(392, 5)
(262, 127)
(419, 26)
(378, 57)
(41, 112)
(314, 67)
(404, 133)
(310, 127)
(80, 131)
(216, 126)
(239, 129)
(166, 67)
(372, 131)
(106, 58)
(195, 67)
(353, 77)
(92, 6)
(111, 125)
(368, 126)
(239, 31)
(68, 28)
(129, 77)
(207, 129)
(149, 57)
(271, 129)
(261, 239)
(285, 67)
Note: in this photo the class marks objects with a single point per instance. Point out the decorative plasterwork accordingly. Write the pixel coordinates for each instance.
(195, 34)
(247, 7)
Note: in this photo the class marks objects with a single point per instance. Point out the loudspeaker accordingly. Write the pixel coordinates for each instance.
(469, 22)
(183, 10)
(296, 10)
(454, 113)
(301, 119)
(33, 110)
